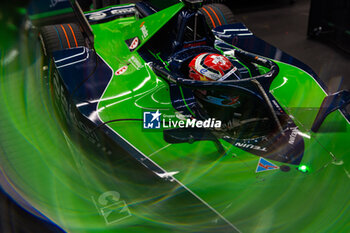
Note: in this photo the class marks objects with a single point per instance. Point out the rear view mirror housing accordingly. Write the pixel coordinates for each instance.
(336, 101)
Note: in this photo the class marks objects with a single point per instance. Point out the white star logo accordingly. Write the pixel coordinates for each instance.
(156, 116)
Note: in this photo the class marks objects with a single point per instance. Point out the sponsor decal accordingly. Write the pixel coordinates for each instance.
(202, 71)
(122, 11)
(133, 43)
(250, 146)
(110, 13)
(97, 16)
(144, 30)
(265, 165)
(152, 120)
(111, 208)
(121, 70)
(135, 62)
(293, 135)
(232, 71)
(277, 105)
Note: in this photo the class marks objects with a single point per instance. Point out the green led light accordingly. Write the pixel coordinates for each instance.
(303, 168)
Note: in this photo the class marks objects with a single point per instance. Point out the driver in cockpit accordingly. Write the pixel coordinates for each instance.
(215, 67)
(233, 107)
(212, 67)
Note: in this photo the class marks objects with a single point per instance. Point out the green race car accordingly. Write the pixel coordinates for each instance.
(175, 118)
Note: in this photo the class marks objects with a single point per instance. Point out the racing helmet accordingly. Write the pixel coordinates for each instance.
(216, 104)
(212, 67)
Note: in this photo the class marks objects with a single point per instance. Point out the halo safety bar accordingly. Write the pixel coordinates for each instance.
(194, 84)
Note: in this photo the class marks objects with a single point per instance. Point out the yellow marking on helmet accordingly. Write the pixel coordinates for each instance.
(203, 78)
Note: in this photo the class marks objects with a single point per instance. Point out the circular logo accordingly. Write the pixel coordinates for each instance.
(97, 16)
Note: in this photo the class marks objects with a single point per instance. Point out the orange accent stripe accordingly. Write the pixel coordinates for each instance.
(75, 39)
(65, 33)
(215, 15)
(209, 17)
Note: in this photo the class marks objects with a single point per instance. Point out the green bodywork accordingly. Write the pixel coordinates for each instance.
(42, 163)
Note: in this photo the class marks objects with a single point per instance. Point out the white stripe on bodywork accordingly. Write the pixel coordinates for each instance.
(75, 62)
(78, 54)
(110, 9)
(233, 30)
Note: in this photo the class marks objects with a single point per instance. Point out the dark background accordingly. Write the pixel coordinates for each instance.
(280, 23)
(285, 26)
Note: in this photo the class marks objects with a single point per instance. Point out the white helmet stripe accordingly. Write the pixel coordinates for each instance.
(198, 65)
(209, 74)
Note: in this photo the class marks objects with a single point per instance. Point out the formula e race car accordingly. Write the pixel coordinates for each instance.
(132, 63)
(188, 115)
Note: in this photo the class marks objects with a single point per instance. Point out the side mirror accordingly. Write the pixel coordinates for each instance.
(330, 104)
(182, 135)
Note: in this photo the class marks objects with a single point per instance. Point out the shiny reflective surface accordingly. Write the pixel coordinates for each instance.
(77, 188)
